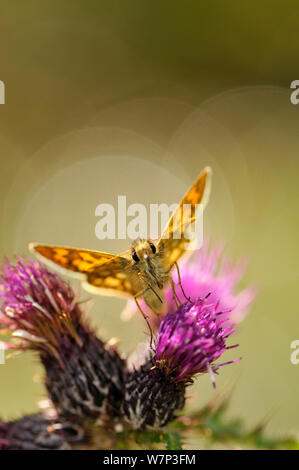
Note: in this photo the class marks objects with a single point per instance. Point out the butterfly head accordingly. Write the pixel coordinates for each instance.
(145, 258)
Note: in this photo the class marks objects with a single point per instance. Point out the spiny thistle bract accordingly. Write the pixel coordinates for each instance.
(151, 399)
(87, 381)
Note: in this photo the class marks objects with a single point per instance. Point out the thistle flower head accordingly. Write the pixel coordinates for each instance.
(191, 340)
(38, 307)
(84, 376)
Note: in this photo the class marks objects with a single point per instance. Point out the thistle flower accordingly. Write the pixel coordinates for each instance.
(192, 339)
(202, 273)
(84, 377)
(35, 432)
(189, 342)
(87, 380)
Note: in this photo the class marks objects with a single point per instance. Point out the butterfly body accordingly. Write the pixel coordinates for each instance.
(142, 271)
(150, 266)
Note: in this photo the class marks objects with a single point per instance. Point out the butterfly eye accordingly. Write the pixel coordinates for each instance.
(153, 248)
(135, 257)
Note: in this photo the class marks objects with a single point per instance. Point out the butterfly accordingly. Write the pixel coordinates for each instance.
(145, 269)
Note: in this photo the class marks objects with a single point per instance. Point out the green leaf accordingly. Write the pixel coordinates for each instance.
(173, 441)
(149, 437)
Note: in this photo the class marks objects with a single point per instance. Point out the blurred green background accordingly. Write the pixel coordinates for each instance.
(128, 97)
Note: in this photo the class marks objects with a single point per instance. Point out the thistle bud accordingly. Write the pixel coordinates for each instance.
(35, 432)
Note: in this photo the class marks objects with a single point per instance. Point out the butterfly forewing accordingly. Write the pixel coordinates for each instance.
(72, 259)
(101, 270)
(173, 240)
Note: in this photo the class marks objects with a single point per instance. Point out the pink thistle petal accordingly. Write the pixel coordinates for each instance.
(191, 339)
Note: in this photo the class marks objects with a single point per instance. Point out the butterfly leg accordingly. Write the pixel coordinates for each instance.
(180, 282)
(144, 315)
(179, 278)
(174, 294)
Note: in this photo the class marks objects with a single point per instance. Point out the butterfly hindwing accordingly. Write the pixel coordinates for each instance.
(115, 277)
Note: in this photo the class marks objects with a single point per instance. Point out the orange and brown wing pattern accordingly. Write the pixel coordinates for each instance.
(73, 259)
(104, 273)
(172, 243)
(115, 277)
